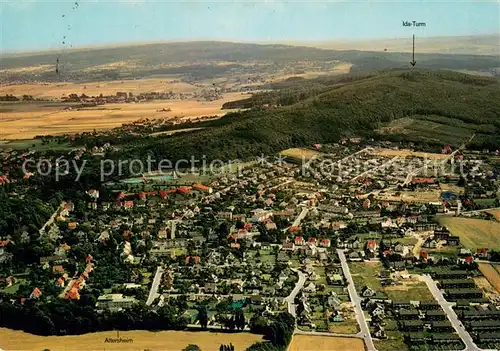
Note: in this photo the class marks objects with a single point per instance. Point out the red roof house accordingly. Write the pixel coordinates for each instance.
(299, 240)
(371, 245)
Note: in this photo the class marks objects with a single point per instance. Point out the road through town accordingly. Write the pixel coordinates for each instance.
(153, 293)
(452, 316)
(356, 300)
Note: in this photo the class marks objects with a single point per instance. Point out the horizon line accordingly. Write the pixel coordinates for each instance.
(289, 42)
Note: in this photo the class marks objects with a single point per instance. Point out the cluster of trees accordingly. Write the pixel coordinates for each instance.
(61, 317)
(278, 330)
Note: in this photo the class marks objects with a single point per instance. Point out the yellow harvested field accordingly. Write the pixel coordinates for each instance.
(474, 233)
(299, 153)
(58, 90)
(491, 274)
(408, 153)
(325, 343)
(24, 121)
(13, 340)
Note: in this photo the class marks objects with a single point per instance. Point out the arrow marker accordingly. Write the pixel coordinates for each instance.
(413, 62)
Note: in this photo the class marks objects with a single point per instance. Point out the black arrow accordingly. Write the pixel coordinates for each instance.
(413, 62)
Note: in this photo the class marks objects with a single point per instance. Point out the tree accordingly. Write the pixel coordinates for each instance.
(191, 347)
(203, 316)
(239, 319)
(263, 346)
(258, 325)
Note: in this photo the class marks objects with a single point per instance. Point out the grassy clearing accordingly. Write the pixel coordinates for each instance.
(366, 274)
(474, 233)
(409, 292)
(491, 273)
(164, 340)
(393, 342)
(325, 343)
(348, 326)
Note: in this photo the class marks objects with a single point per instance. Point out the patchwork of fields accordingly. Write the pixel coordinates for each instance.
(24, 121)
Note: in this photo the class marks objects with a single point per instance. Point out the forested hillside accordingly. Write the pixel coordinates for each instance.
(326, 111)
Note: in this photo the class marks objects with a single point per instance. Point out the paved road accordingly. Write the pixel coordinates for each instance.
(153, 293)
(300, 217)
(290, 299)
(452, 316)
(52, 218)
(356, 300)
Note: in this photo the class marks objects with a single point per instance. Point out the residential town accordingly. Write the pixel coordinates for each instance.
(369, 250)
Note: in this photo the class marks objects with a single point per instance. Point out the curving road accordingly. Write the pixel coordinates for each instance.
(356, 301)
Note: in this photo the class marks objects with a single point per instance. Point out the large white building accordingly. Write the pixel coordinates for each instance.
(114, 302)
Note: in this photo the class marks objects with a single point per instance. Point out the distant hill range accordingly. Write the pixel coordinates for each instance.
(211, 59)
(462, 45)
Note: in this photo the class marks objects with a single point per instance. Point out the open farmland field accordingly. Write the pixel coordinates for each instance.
(154, 341)
(408, 153)
(24, 121)
(325, 343)
(58, 90)
(474, 233)
(299, 153)
(491, 274)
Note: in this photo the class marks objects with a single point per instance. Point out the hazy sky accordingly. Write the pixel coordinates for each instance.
(39, 24)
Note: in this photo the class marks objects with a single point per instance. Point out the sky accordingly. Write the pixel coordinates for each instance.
(39, 24)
